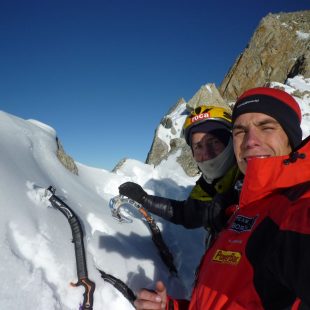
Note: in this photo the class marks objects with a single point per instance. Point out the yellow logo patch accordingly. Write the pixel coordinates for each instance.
(227, 257)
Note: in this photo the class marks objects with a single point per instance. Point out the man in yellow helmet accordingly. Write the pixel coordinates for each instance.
(207, 130)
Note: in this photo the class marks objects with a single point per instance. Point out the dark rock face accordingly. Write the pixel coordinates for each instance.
(278, 50)
(65, 159)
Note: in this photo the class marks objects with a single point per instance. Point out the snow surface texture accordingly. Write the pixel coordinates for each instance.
(37, 255)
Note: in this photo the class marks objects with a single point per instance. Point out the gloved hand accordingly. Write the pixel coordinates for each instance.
(214, 216)
(133, 191)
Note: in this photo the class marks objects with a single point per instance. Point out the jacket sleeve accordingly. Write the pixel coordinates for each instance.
(188, 213)
(289, 261)
(291, 264)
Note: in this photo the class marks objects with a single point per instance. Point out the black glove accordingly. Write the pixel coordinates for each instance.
(214, 215)
(133, 191)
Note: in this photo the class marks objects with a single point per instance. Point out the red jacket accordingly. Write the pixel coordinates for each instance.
(261, 260)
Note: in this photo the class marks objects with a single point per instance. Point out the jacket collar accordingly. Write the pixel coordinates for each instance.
(265, 175)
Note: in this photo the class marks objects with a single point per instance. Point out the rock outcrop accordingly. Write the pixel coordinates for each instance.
(279, 49)
(207, 95)
(65, 159)
(161, 143)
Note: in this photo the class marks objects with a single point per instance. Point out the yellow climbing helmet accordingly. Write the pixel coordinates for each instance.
(213, 117)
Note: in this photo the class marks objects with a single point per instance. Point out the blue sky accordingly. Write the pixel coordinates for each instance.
(104, 73)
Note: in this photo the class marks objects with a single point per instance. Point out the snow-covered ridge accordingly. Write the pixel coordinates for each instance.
(43, 126)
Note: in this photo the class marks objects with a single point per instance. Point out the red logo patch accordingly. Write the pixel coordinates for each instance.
(200, 117)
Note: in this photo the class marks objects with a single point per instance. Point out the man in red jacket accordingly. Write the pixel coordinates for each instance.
(261, 258)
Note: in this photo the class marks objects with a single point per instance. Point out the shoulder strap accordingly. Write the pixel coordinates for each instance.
(295, 192)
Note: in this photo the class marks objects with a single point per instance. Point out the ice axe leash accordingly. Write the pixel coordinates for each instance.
(77, 235)
(120, 201)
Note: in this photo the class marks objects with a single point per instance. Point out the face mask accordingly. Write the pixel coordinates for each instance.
(217, 167)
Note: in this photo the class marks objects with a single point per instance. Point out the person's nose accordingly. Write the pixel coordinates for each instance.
(206, 153)
(203, 157)
(251, 138)
(199, 155)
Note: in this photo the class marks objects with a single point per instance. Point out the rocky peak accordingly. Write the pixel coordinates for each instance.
(207, 95)
(278, 50)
